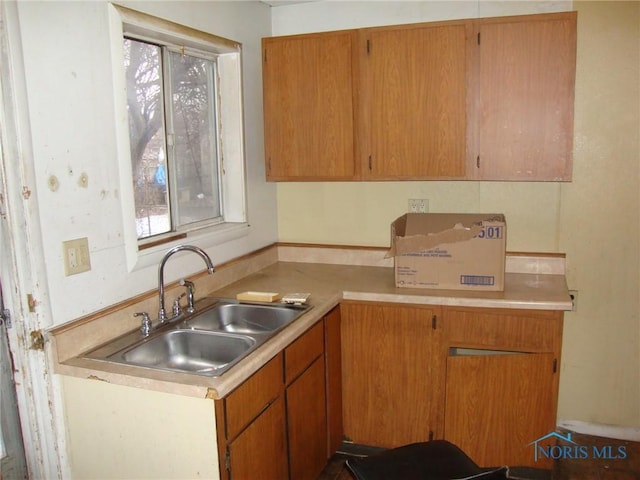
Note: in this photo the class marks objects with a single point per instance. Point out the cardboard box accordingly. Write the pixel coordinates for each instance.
(449, 251)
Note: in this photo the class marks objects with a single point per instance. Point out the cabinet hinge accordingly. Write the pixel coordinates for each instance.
(368, 46)
(434, 322)
(5, 317)
(227, 460)
(37, 340)
(478, 38)
(555, 365)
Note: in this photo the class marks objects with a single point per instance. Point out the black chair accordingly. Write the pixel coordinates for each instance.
(434, 460)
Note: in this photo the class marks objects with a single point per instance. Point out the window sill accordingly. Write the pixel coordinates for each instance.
(203, 238)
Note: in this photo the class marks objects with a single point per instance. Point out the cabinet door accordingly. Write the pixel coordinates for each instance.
(414, 101)
(388, 369)
(307, 423)
(260, 451)
(333, 365)
(501, 381)
(498, 404)
(526, 92)
(308, 107)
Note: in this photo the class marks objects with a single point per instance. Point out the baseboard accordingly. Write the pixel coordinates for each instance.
(601, 430)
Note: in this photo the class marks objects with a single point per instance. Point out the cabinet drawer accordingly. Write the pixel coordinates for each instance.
(303, 351)
(254, 395)
(517, 330)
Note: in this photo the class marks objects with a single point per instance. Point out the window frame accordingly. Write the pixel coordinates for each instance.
(125, 22)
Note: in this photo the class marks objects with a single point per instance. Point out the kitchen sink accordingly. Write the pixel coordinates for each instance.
(204, 353)
(208, 342)
(243, 318)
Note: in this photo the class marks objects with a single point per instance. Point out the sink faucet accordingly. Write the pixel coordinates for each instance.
(162, 315)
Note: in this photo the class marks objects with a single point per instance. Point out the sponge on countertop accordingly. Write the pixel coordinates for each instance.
(259, 296)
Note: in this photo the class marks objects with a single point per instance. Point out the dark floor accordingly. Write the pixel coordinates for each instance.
(564, 469)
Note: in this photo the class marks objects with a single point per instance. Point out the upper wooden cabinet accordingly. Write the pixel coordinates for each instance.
(525, 91)
(308, 107)
(414, 101)
(477, 99)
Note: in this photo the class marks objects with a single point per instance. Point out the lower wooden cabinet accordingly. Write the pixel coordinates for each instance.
(389, 363)
(275, 425)
(261, 450)
(306, 404)
(333, 371)
(306, 423)
(502, 377)
(251, 427)
(484, 379)
(497, 403)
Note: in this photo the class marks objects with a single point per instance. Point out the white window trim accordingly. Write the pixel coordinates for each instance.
(123, 21)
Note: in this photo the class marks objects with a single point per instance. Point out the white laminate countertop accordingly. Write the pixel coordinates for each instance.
(328, 284)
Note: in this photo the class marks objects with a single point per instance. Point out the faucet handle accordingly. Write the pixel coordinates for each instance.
(145, 328)
(191, 288)
(177, 309)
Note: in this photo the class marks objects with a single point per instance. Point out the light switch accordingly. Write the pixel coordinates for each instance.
(76, 256)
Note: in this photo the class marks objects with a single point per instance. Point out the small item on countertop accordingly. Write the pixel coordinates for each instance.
(295, 298)
(258, 296)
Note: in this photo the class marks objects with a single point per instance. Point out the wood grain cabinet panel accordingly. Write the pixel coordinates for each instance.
(247, 401)
(506, 329)
(301, 353)
(526, 97)
(333, 363)
(389, 367)
(308, 107)
(279, 422)
(485, 379)
(477, 99)
(307, 423)
(251, 425)
(261, 450)
(275, 425)
(502, 378)
(414, 101)
(498, 403)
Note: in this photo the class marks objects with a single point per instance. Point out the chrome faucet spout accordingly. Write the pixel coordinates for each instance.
(162, 315)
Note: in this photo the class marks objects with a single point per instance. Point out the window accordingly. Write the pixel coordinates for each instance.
(173, 121)
(184, 110)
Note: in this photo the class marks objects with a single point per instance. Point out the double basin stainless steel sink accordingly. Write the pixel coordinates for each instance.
(208, 342)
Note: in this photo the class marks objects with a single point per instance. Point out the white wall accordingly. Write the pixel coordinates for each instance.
(67, 56)
(147, 434)
(337, 15)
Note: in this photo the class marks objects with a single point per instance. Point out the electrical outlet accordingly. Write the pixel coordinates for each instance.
(418, 205)
(574, 299)
(76, 256)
